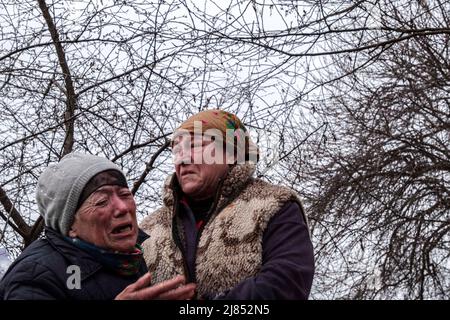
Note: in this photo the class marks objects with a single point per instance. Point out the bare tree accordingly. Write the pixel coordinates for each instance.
(114, 78)
(383, 209)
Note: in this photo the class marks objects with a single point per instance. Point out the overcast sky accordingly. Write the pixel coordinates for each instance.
(4, 261)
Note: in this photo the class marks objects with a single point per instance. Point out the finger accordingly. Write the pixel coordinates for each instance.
(154, 291)
(130, 292)
(142, 282)
(180, 293)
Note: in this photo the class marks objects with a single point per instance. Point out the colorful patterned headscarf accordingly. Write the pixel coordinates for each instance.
(233, 130)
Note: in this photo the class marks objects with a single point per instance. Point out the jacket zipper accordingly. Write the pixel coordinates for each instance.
(177, 240)
(212, 211)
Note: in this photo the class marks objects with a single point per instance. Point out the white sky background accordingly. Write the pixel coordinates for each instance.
(269, 96)
(240, 18)
(4, 261)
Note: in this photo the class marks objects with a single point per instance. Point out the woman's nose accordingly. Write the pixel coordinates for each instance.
(182, 156)
(121, 206)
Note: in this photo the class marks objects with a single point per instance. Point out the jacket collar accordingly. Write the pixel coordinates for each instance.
(75, 256)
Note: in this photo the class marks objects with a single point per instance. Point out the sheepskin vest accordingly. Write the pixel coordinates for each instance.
(230, 245)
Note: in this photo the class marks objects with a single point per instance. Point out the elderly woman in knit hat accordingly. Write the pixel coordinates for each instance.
(91, 248)
(235, 236)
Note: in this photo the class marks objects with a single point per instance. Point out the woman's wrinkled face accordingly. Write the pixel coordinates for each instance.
(196, 166)
(107, 219)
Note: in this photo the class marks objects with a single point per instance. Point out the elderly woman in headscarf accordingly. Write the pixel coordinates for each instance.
(91, 248)
(235, 236)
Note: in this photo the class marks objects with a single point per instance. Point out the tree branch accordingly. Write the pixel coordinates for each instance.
(148, 167)
(137, 146)
(20, 226)
(70, 91)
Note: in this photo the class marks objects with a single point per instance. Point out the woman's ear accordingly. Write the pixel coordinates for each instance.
(229, 158)
(73, 231)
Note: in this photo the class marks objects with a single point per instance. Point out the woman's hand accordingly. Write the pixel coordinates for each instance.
(173, 289)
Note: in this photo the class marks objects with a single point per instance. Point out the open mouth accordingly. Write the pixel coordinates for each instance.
(122, 229)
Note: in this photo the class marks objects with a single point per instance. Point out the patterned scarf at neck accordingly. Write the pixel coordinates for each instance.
(125, 264)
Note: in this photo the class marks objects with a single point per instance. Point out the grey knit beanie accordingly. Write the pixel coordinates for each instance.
(61, 184)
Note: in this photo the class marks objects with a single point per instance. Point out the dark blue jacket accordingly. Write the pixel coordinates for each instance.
(287, 263)
(41, 273)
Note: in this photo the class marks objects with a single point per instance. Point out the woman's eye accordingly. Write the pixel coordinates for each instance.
(125, 194)
(175, 149)
(101, 203)
(198, 144)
